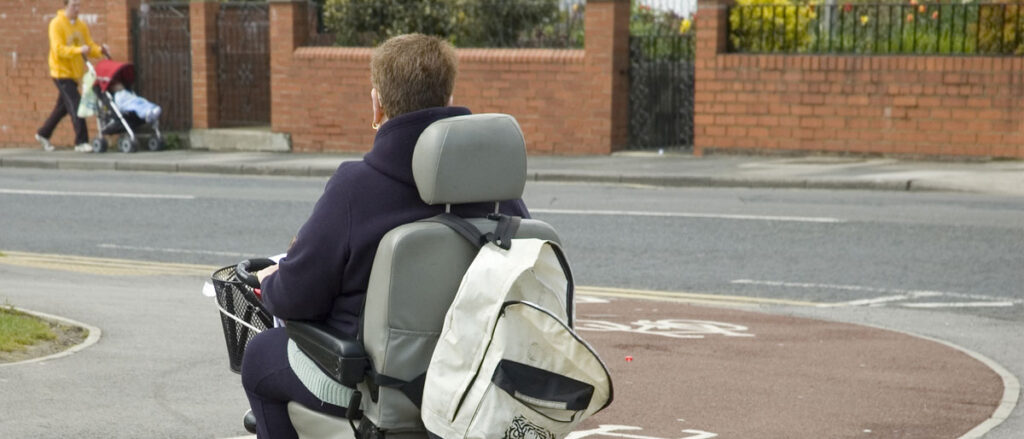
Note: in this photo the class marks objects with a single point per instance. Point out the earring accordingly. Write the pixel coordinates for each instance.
(375, 126)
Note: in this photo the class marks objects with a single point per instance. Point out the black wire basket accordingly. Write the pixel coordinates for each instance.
(242, 315)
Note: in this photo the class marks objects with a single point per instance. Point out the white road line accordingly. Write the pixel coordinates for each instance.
(879, 300)
(874, 301)
(803, 219)
(772, 283)
(173, 250)
(892, 294)
(956, 304)
(96, 194)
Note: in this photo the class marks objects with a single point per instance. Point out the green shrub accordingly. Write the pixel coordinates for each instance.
(466, 23)
(771, 25)
(888, 27)
(645, 20)
(1001, 28)
(660, 34)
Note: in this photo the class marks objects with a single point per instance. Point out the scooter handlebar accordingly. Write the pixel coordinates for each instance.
(246, 270)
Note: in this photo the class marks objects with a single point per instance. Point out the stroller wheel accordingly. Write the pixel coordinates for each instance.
(155, 143)
(127, 144)
(99, 144)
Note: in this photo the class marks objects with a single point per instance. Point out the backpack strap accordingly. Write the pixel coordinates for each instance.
(506, 229)
(501, 236)
(411, 389)
(464, 228)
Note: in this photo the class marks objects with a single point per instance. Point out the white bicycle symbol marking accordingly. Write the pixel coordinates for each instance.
(616, 431)
(675, 328)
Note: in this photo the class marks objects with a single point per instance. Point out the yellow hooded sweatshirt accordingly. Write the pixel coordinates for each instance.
(66, 40)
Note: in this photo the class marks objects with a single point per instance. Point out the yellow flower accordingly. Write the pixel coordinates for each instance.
(684, 26)
(863, 19)
(921, 9)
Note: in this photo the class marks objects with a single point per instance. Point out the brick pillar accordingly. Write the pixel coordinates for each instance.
(119, 28)
(288, 30)
(203, 30)
(712, 22)
(607, 55)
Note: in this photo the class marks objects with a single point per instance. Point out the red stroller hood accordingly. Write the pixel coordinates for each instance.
(108, 71)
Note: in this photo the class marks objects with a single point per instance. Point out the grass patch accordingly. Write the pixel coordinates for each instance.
(19, 330)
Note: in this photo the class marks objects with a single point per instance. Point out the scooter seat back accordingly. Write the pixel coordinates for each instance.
(419, 266)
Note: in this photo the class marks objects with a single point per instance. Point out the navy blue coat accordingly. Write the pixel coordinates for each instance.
(325, 274)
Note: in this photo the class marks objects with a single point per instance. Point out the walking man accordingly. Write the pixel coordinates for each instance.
(70, 43)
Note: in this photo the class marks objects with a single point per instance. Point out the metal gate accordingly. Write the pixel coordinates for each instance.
(243, 64)
(661, 79)
(163, 61)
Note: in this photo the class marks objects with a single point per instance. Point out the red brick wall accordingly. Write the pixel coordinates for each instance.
(203, 33)
(565, 100)
(325, 103)
(119, 28)
(904, 105)
(27, 94)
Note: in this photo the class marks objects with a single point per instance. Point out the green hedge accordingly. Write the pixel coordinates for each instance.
(466, 23)
(910, 27)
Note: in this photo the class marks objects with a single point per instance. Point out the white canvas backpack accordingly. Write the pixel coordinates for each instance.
(507, 363)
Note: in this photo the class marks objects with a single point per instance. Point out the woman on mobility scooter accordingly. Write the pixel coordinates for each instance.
(324, 277)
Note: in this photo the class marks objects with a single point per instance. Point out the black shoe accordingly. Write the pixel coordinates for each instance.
(249, 421)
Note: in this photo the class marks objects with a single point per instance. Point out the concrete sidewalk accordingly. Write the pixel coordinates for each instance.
(645, 168)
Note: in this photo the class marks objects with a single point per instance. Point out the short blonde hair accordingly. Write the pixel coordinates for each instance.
(412, 72)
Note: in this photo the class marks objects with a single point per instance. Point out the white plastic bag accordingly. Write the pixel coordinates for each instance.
(89, 104)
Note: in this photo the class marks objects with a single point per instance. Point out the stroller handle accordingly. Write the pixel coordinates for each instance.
(85, 56)
(246, 270)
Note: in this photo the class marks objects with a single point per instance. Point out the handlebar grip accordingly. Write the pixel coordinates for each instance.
(246, 270)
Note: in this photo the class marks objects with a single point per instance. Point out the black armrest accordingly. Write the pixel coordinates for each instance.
(340, 357)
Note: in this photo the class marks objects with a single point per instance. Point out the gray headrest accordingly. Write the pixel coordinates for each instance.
(468, 159)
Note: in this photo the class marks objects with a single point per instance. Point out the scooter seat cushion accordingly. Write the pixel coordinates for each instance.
(316, 380)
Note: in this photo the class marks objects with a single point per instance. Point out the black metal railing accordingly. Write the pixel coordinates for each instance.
(989, 29)
(163, 61)
(661, 75)
(661, 80)
(466, 23)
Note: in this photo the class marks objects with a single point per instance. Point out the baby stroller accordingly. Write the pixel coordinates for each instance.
(111, 119)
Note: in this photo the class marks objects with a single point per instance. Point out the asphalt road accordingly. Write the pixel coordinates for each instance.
(937, 264)
(955, 252)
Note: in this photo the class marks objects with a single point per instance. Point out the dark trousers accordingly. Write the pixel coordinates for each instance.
(67, 104)
(270, 383)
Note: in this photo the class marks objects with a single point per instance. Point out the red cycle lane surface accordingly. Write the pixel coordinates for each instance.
(684, 371)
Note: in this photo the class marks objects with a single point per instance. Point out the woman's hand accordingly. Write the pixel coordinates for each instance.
(262, 274)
